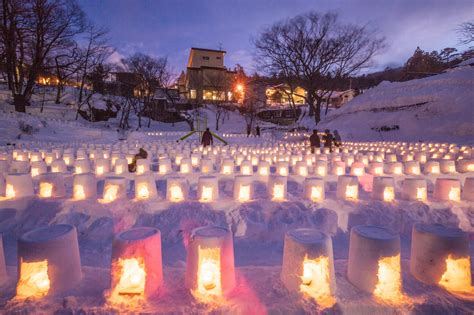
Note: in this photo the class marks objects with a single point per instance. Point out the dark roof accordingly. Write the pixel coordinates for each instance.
(206, 49)
(209, 67)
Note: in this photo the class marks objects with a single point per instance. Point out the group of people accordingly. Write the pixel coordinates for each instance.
(249, 131)
(329, 140)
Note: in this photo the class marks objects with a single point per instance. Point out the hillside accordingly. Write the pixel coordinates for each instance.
(437, 108)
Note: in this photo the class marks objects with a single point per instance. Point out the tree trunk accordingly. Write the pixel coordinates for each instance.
(58, 93)
(20, 103)
(317, 112)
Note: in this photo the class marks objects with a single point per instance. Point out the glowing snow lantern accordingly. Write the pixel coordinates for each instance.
(412, 168)
(143, 166)
(35, 157)
(19, 167)
(440, 255)
(102, 166)
(207, 166)
(447, 166)
(278, 186)
(465, 165)
(357, 169)
(414, 189)
(81, 166)
(195, 159)
(282, 168)
(376, 168)
(314, 189)
(145, 187)
(185, 167)
(264, 168)
(243, 188)
(347, 187)
(38, 168)
(374, 263)
(48, 261)
(177, 189)
(58, 166)
(114, 188)
(68, 158)
(121, 166)
(164, 166)
(227, 167)
(447, 189)
(246, 168)
(208, 189)
(421, 157)
(395, 168)
(301, 168)
(321, 168)
(308, 265)
(84, 186)
(338, 168)
(210, 263)
(468, 189)
(137, 271)
(432, 167)
(49, 157)
(383, 188)
(18, 186)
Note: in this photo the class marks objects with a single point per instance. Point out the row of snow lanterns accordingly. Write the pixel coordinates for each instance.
(49, 263)
(115, 187)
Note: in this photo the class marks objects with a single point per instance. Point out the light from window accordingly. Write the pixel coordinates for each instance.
(192, 94)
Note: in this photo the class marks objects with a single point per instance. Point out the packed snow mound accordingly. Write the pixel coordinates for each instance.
(437, 108)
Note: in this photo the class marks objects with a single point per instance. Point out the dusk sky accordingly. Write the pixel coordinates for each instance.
(170, 27)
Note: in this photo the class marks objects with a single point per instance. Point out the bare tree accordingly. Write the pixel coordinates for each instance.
(466, 31)
(219, 83)
(30, 31)
(309, 48)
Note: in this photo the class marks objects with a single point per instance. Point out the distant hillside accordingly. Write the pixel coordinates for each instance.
(439, 107)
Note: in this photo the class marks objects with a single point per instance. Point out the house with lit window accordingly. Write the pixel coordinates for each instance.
(206, 78)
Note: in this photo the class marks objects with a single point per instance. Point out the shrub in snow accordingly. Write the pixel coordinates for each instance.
(26, 128)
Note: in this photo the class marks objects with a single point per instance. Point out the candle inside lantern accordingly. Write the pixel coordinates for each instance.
(244, 193)
(316, 193)
(176, 193)
(246, 170)
(421, 193)
(397, 170)
(457, 277)
(352, 191)
(209, 273)
(389, 285)
(45, 190)
(388, 193)
(184, 168)
(140, 169)
(207, 194)
(119, 169)
(321, 171)
(34, 281)
(226, 170)
(278, 192)
(78, 170)
(78, 192)
(99, 170)
(132, 279)
(315, 280)
(142, 191)
(162, 169)
(110, 193)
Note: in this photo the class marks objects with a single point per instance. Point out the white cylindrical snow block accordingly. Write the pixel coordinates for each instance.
(246, 167)
(121, 166)
(210, 261)
(301, 168)
(357, 169)
(431, 245)
(414, 189)
(82, 166)
(102, 167)
(308, 263)
(465, 166)
(143, 166)
(195, 159)
(376, 168)
(347, 187)
(383, 188)
(177, 189)
(263, 168)
(145, 187)
(58, 166)
(3, 266)
(314, 189)
(19, 167)
(281, 168)
(277, 187)
(185, 166)
(18, 186)
(137, 268)
(48, 261)
(227, 166)
(468, 189)
(447, 189)
(369, 244)
(115, 187)
(432, 167)
(321, 168)
(412, 168)
(38, 168)
(84, 186)
(243, 190)
(447, 166)
(208, 189)
(51, 185)
(395, 168)
(207, 166)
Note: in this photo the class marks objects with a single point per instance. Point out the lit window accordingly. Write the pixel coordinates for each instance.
(192, 94)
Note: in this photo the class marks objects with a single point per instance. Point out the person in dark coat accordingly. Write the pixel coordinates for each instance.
(142, 154)
(337, 139)
(257, 131)
(314, 141)
(328, 139)
(249, 130)
(207, 138)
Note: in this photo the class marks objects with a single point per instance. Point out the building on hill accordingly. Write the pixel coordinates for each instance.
(206, 78)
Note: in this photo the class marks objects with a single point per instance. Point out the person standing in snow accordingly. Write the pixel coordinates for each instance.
(314, 141)
(257, 131)
(207, 138)
(328, 139)
(249, 130)
(337, 139)
(142, 154)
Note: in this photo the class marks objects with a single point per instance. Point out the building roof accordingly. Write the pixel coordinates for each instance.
(206, 49)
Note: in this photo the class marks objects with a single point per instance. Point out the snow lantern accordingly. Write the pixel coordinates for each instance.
(121, 166)
(383, 188)
(178, 158)
(115, 187)
(282, 168)
(300, 168)
(38, 168)
(347, 187)
(440, 255)
(321, 168)
(48, 261)
(208, 189)
(49, 157)
(137, 269)
(412, 168)
(414, 189)
(374, 262)
(395, 168)
(263, 168)
(338, 168)
(177, 189)
(143, 166)
(84, 186)
(357, 169)
(185, 166)
(376, 168)
(432, 167)
(82, 166)
(277, 186)
(348, 159)
(447, 166)
(210, 262)
(207, 166)
(243, 188)
(308, 265)
(19, 167)
(102, 166)
(3, 266)
(195, 159)
(465, 166)
(421, 157)
(164, 166)
(447, 189)
(314, 189)
(145, 187)
(227, 166)
(58, 166)
(391, 158)
(68, 158)
(246, 167)
(51, 186)
(468, 189)
(35, 157)
(18, 186)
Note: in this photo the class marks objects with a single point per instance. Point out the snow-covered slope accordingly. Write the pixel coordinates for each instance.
(437, 108)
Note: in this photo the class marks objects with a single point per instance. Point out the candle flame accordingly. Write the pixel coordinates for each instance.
(457, 277)
(315, 281)
(34, 281)
(389, 286)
